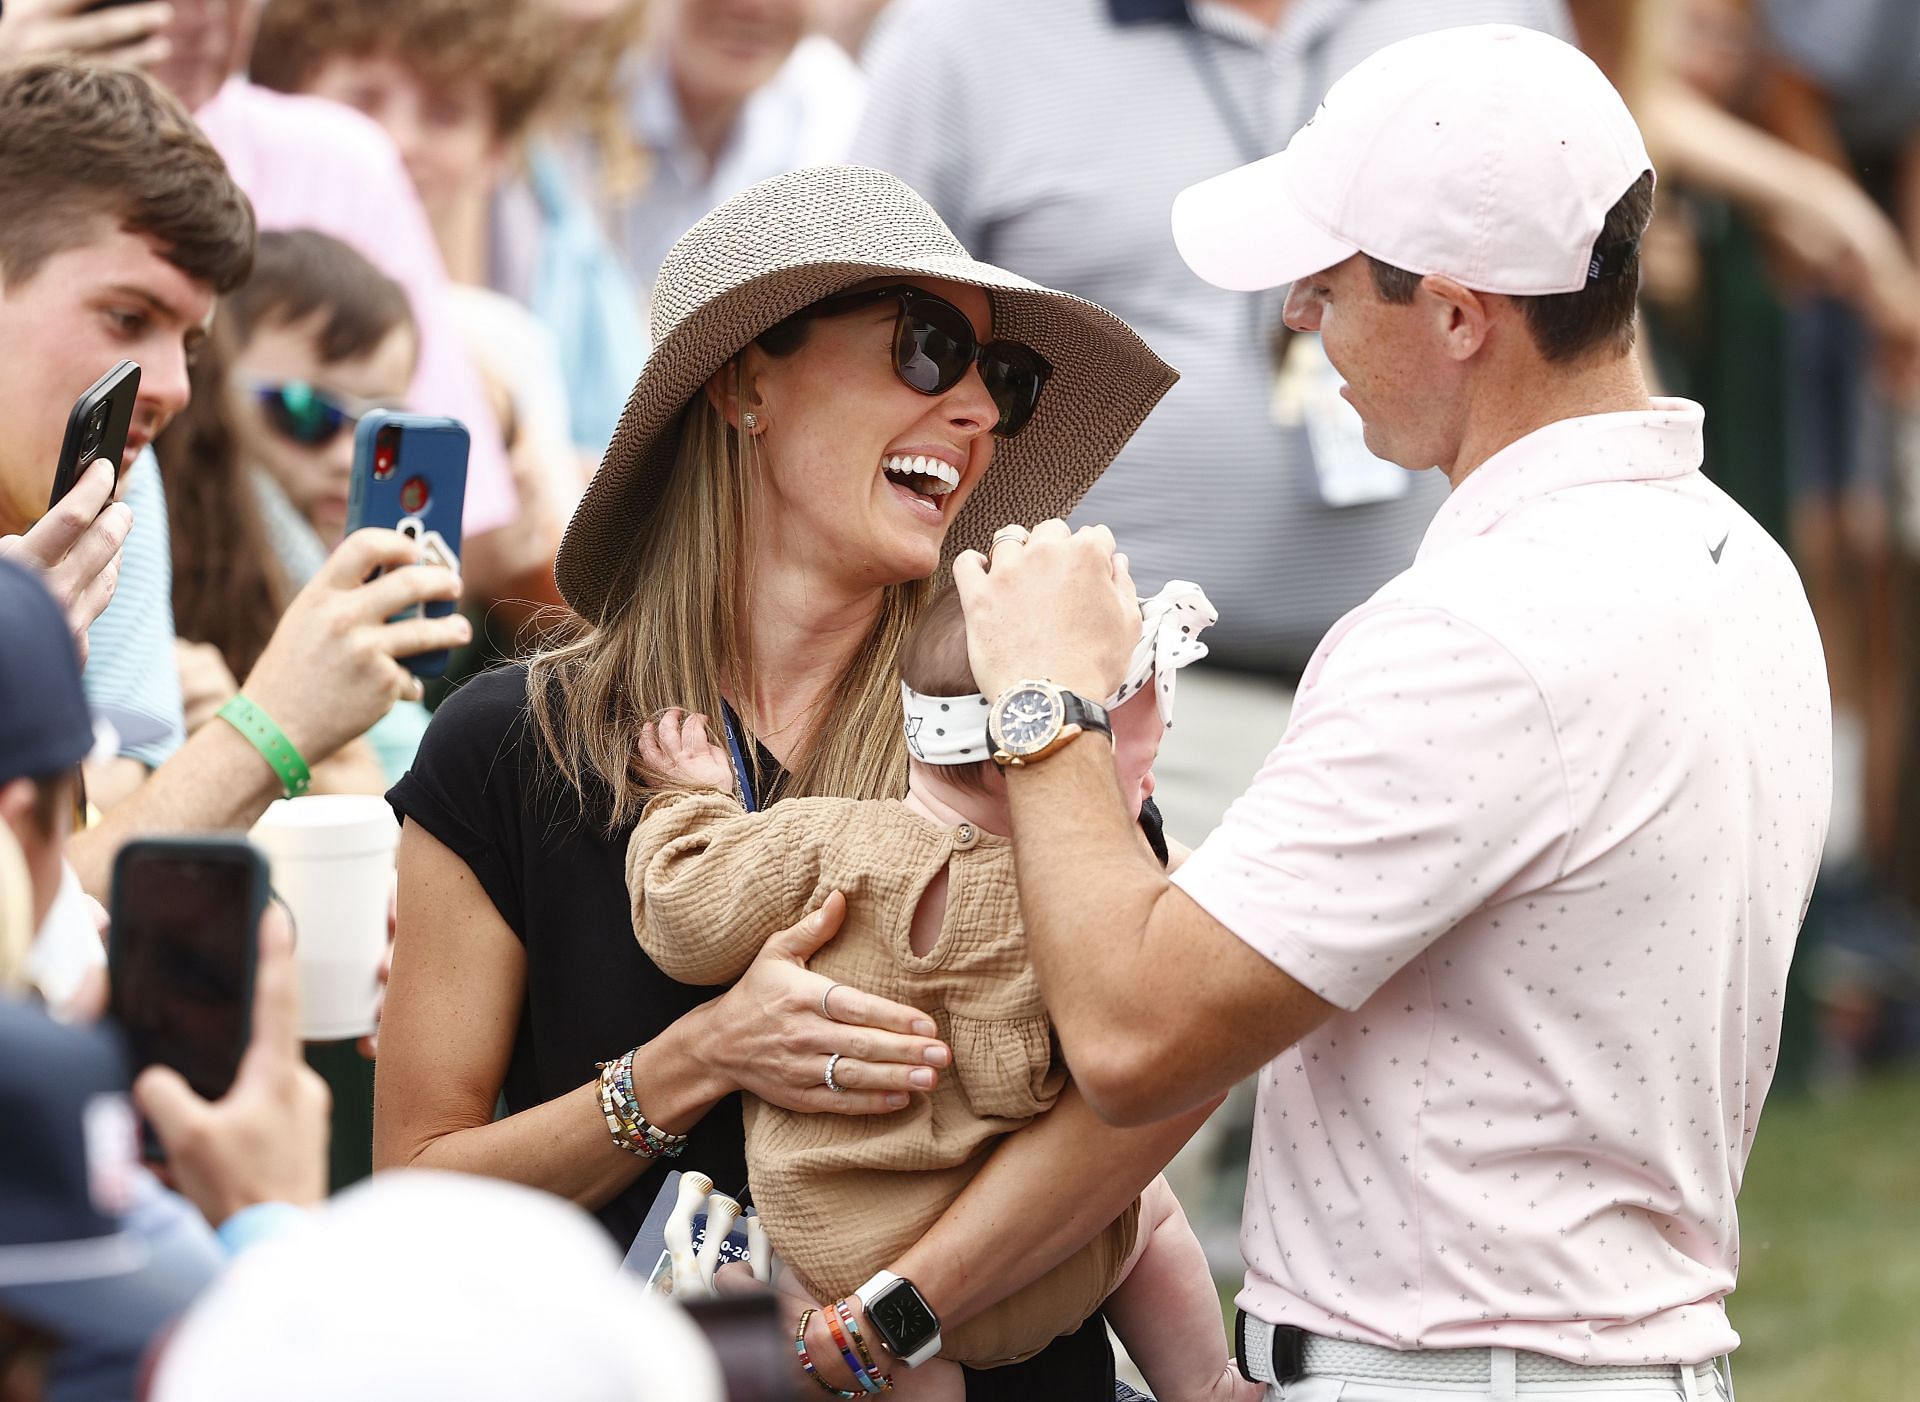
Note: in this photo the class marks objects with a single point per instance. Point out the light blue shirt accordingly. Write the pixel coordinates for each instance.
(130, 663)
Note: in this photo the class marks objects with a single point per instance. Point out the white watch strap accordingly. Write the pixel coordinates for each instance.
(865, 1295)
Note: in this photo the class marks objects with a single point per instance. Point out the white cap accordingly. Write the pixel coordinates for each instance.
(436, 1287)
(1488, 154)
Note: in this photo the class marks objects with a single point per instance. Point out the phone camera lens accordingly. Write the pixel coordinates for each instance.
(386, 453)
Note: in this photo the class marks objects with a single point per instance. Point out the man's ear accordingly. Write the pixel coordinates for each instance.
(1461, 316)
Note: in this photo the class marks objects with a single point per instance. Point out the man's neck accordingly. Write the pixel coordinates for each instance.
(800, 638)
(1504, 412)
(1267, 12)
(460, 228)
(708, 120)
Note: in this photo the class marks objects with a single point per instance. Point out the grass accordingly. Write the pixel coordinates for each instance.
(1829, 1299)
(1828, 1307)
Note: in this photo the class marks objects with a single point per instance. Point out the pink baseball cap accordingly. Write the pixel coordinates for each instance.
(1489, 154)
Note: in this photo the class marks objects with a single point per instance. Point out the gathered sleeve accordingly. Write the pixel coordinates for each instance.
(709, 882)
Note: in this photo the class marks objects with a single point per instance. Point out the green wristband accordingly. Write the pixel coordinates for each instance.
(272, 742)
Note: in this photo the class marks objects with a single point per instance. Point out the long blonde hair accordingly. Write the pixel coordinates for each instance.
(678, 637)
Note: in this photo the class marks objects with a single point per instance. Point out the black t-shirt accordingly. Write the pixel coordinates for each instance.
(485, 788)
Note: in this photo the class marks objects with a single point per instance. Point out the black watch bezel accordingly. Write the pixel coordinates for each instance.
(901, 1348)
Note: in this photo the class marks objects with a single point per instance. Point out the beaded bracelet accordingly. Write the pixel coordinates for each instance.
(806, 1363)
(670, 1145)
(862, 1366)
(630, 1129)
(632, 1144)
(884, 1380)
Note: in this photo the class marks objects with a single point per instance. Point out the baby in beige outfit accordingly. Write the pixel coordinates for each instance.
(932, 921)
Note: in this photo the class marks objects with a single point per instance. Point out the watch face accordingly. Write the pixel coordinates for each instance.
(903, 1318)
(1027, 718)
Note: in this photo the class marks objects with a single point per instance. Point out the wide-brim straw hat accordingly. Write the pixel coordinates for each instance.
(784, 244)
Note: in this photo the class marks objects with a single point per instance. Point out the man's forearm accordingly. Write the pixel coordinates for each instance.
(216, 781)
(1088, 887)
(1044, 1193)
(1157, 1005)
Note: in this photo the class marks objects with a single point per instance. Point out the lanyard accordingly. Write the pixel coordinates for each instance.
(1237, 123)
(740, 772)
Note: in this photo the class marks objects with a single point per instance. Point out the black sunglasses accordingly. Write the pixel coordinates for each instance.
(304, 413)
(934, 346)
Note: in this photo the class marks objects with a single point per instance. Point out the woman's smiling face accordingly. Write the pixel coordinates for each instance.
(864, 475)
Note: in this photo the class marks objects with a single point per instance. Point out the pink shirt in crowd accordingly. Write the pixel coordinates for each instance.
(307, 163)
(1544, 823)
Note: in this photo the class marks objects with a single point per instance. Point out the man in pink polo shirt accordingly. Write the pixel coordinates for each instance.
(1506, 916)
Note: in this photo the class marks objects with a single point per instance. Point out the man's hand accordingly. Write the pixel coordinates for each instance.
(1061, 607)
(265, 1140)
(330, 669)
(76, 547)
(129, 34)
(678, 749)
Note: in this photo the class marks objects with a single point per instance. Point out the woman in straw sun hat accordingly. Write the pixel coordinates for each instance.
(839, 400)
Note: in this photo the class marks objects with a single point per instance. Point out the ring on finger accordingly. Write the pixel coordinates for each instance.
(1015, 533)
(823, 1002)
(832, 1084)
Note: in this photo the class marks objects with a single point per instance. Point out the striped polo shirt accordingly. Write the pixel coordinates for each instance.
(1052, 135)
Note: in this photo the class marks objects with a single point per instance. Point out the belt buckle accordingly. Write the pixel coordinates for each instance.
(1286, 1351)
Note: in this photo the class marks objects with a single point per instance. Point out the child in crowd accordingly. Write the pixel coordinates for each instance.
(260, 465)
(315, 338)
(932, 921)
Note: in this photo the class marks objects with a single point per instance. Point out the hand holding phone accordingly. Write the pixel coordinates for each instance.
(410, 475)
(97, 428)
(265, 1140)
(332, 667)
(75, 548)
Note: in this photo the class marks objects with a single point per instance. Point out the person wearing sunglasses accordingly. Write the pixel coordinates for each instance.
(316, 338)
(839, 399)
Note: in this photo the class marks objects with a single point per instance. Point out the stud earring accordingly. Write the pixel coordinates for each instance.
(750, 421)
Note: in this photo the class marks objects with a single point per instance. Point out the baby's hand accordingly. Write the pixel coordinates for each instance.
(676, 748)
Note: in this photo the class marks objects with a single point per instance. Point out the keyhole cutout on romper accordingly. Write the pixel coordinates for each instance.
(929, 915)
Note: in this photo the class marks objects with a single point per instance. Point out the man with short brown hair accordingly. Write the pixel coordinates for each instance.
(1504, 920)
(120, 226)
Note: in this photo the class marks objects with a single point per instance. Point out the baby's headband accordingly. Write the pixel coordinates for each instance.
(953, 729)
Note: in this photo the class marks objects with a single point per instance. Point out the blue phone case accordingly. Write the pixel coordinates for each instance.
(410, 474)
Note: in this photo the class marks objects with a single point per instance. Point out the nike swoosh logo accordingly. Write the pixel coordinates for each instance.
(1714, 551)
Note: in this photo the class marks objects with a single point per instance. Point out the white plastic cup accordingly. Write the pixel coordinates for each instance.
(332, 863)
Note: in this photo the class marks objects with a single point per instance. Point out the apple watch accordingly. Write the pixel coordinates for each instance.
(1031, 719)
(904, 1320)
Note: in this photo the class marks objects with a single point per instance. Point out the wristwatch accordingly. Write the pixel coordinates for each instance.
(1031, 719)
(904, 1321)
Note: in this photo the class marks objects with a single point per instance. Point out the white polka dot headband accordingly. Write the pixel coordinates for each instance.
(953, 729)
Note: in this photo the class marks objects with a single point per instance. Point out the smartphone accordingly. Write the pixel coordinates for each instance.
(180, 953)
(97, 427)
(749, 1336)
(410, 475)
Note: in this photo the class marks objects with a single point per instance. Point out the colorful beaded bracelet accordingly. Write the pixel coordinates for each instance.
(882, 1381)
(806, 1363)
(630, 1129)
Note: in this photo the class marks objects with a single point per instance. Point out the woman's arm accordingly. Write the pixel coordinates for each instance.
(453, 1008)
(452, 1011)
